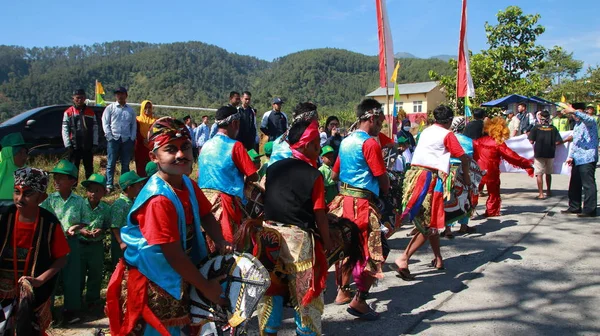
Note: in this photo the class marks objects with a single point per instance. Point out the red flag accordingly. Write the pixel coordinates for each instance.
(464, 81)
(386, 45)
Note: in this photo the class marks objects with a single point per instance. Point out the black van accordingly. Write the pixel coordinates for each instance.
(42, 127)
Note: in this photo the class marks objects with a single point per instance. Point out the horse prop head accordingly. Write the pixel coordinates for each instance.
(245, 284)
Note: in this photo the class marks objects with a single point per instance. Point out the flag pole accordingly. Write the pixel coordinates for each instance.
(387, 93)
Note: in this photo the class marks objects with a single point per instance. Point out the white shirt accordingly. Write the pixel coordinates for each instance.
(431, 152)
(119, 122)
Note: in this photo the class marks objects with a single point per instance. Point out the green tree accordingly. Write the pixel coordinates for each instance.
(559, 65)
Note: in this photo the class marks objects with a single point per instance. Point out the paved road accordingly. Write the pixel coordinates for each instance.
(532, 271)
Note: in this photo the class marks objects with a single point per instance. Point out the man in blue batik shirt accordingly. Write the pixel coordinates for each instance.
(202, 133)
(583, 158)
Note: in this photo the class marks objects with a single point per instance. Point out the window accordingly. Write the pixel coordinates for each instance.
(398, 106)
(418, 106)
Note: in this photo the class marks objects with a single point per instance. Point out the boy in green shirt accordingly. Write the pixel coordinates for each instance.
(91, 238)
(268, 149)
(331, 188)
(131, 184)
(70, 209)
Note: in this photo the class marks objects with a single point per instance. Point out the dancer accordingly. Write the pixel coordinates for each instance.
(34, 233)
(281, 148)
(148, 292)
(361, 170)
(489, 150)
(423, 199)
(295, 207)
(457, 127)
(222, 166)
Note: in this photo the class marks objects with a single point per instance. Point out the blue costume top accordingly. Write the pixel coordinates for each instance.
(149, 259)
(281, 150)
(467, 145)
(216, 169)
(354, 169)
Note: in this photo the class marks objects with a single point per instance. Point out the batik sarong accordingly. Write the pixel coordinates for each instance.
(423, 199)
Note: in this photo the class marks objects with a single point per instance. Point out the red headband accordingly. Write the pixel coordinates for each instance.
(310, 134)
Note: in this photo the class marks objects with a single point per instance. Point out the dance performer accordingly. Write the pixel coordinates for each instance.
(148, 292)
(35, 235)
(423, 197)
(489, 150)
(295, 207)
(457, 127)
(222, 166)
(361, 169)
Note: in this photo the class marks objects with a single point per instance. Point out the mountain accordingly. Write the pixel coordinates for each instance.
(404, 55)
(444, 58)
(192, 74)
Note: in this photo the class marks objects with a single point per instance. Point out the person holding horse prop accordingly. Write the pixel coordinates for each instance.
(148, 292)
(224, 167)
(295, 208)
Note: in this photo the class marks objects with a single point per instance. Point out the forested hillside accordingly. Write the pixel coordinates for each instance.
(192, 74)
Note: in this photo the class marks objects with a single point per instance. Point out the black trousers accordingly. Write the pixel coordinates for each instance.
(87, 156)
(583, 177)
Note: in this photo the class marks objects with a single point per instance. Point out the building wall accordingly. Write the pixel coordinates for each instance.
(429, 100)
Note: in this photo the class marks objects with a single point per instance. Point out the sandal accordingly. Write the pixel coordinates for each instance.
(434, 265)
(371, 315)
(468, 230)
(404, 274)
(540, 198)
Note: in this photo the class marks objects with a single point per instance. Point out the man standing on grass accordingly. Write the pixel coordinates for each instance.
(80, 133)
(120, 127)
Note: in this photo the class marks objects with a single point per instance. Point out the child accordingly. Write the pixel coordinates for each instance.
(404, 157)
(331, 188)
(151, 168)
(262, 172)
(131, 184)
(70, 209)
(165, 243)
(91, 238)
(40, 241)
(255, 157)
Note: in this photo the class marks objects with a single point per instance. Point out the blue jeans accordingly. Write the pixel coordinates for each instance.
(118, 149)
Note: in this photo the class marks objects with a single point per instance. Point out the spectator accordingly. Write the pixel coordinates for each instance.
(561, 122)
(583, 158)
(119, 123)
(80, 133)
(247, 134)
(142, 147)
(513, 123)
(405, 132)
(322, 135)
(202, 133)
(590, 109)
(544, 138)
(213, 130)
(474, 128)
(274, 123)
(332, 127)
(525, 122)
(12, 157)
(187, 120)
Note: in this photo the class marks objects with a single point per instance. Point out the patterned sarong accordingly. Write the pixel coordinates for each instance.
(302, 267)
(423, 199)
(357, 206)
(227, 210)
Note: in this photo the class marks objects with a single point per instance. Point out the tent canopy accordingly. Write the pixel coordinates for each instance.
(515, 98)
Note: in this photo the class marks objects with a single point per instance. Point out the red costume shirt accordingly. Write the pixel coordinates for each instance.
(24, 234)
(157, 219)
(242, 160)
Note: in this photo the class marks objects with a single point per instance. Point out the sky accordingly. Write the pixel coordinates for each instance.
(268, 29)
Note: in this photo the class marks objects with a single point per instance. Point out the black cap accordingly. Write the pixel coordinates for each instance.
(224, 112)
(121, 89)
(79, 92)
(277, 101)
(578, 106)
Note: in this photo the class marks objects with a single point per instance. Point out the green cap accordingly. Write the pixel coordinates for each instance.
(268, 148)
(95, 178)
(151, 168)
(129, 178)
(590, 105)
(65, 167)
(402, 140)
(14, 140)
(326, 150)
(254, 155)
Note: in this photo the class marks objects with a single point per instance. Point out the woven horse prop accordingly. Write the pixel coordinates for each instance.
(245, 284)
(463, 199)
(265, 243)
